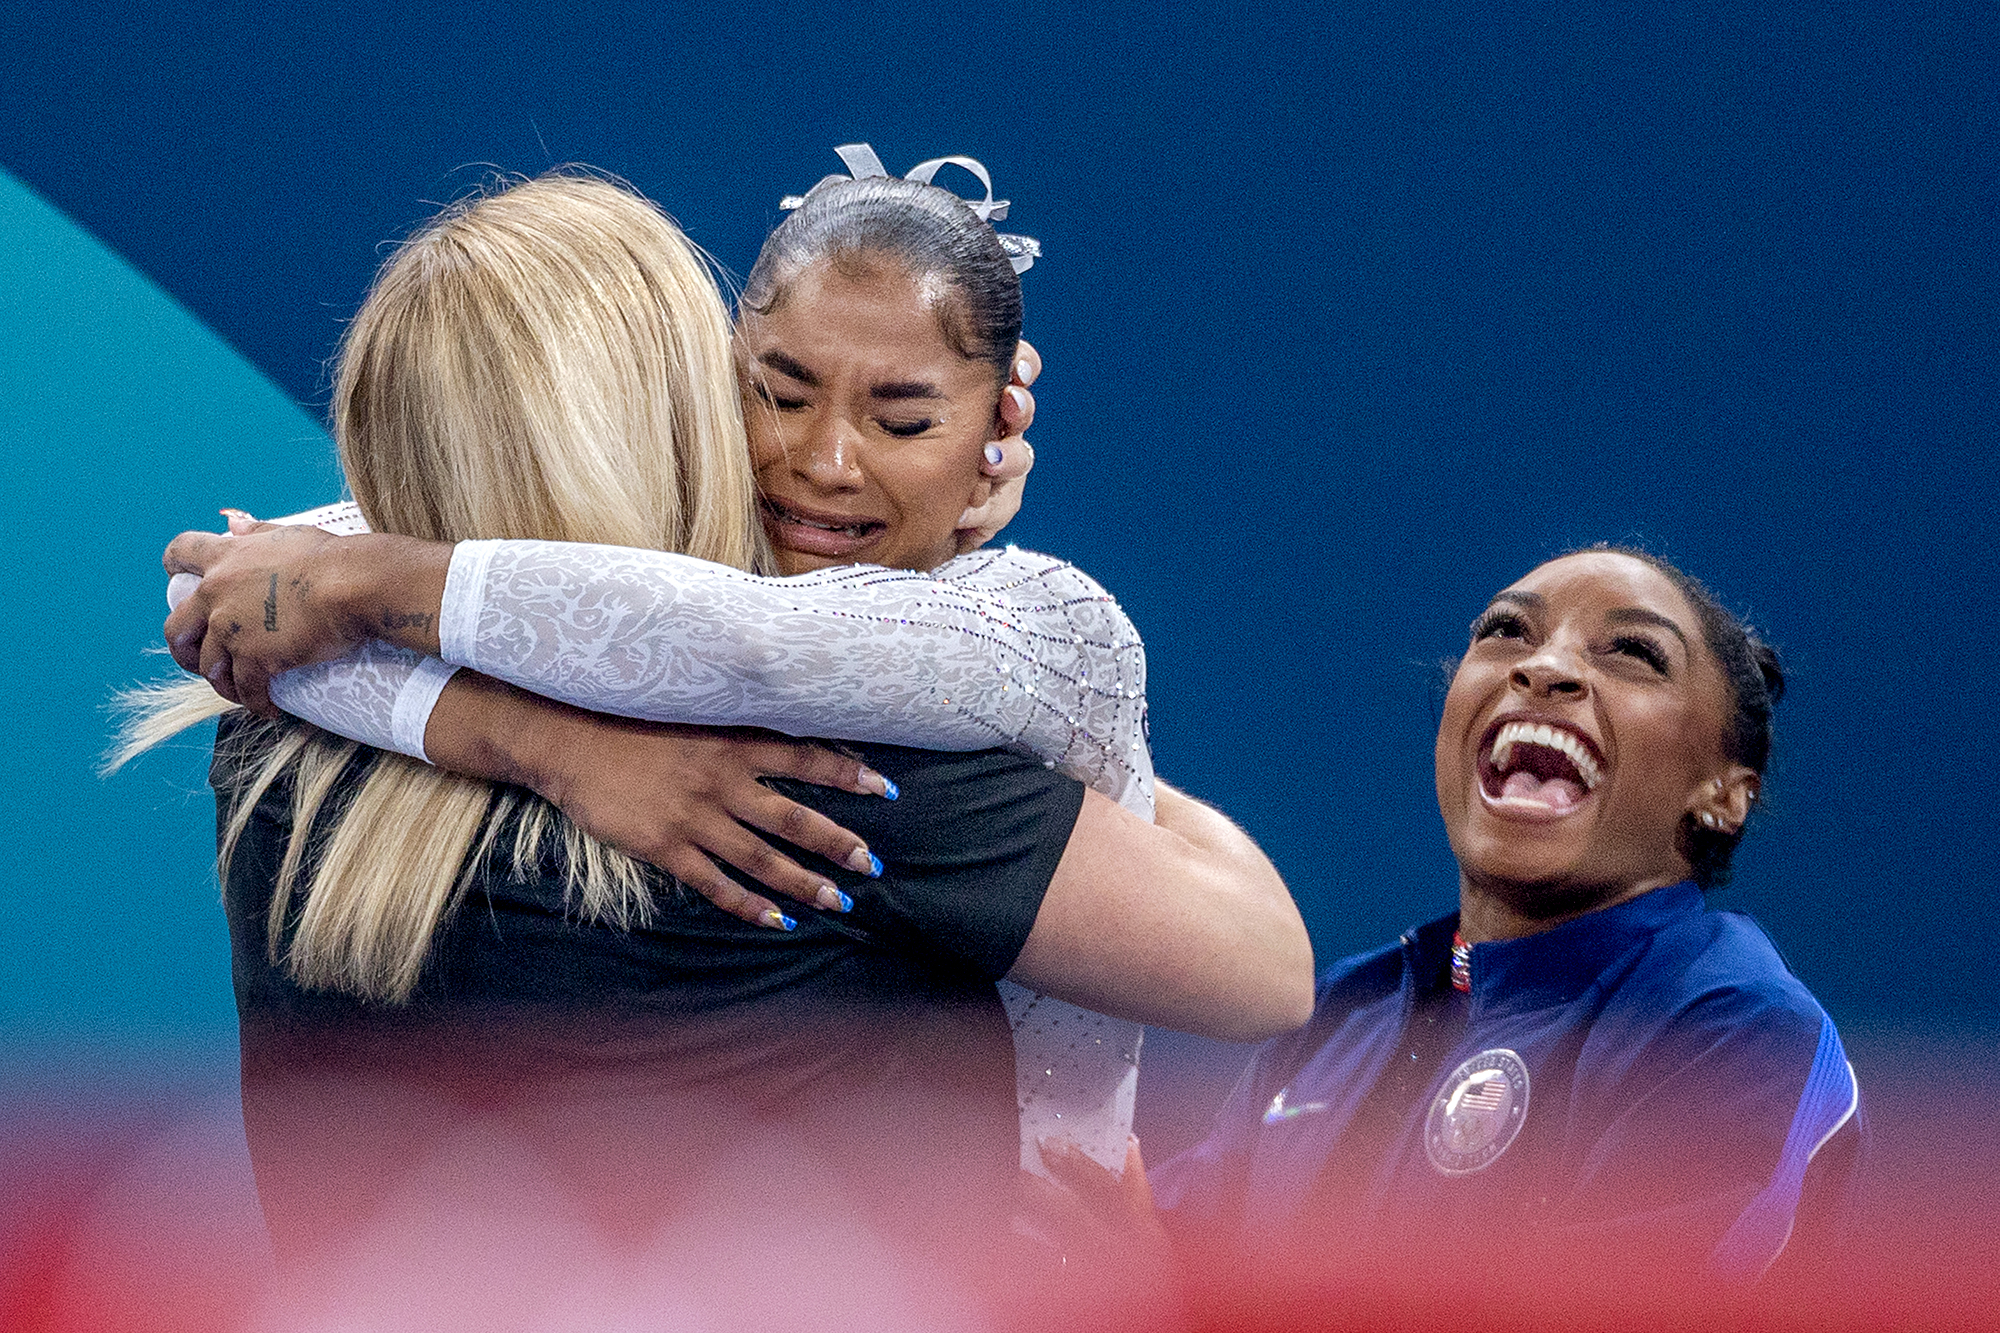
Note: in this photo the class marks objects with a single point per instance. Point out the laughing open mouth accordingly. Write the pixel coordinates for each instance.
(1538, 767)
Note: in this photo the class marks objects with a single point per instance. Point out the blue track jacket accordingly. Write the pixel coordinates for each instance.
(1648, 1079)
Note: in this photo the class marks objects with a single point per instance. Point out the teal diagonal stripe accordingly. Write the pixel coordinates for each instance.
(122, 420)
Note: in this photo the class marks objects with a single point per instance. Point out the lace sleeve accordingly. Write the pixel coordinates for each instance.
(996, 648)
(379, 695)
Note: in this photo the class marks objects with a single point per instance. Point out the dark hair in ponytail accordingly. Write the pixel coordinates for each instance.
(1756, 681)
(931, 232)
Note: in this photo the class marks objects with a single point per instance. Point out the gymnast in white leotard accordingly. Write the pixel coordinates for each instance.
(996, 647)
(990, 648)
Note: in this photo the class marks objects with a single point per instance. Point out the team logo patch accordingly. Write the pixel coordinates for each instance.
(1477, 1113)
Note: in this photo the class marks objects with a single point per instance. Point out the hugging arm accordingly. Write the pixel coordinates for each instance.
(1183, 923)
(998, 648)
(1024, 874)
(686, 799)
(995, 648)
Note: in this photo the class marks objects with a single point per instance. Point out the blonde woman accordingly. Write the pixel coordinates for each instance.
(1000, 648)
(502, 380)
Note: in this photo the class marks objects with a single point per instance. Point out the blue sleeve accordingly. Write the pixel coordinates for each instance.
(1703, 1160)
(1828, 1106)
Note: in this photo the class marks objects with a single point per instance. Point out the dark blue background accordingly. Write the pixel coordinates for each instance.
(1351, 314)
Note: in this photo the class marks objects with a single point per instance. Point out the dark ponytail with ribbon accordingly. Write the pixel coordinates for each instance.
(930, 232)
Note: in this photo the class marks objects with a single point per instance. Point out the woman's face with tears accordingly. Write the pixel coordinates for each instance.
(866, 426)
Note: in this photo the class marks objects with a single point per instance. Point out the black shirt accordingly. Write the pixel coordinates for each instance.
(635, 1057)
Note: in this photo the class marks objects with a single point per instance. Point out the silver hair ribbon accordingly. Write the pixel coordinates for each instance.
(860, 159)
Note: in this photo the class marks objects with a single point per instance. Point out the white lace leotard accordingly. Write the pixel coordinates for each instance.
(995, 648)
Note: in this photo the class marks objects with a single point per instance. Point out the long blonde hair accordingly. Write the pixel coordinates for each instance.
(549, 360)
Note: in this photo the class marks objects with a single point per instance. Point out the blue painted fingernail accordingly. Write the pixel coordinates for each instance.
(994, 454)
(874, 865)
(778, 920)
(864, 862)
(890, 791)
(833, 900)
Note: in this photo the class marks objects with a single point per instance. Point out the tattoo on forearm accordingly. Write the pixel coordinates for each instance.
(271, 605)
(406, 620)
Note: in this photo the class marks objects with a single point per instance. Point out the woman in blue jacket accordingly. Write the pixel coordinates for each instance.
(1583, 1071)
